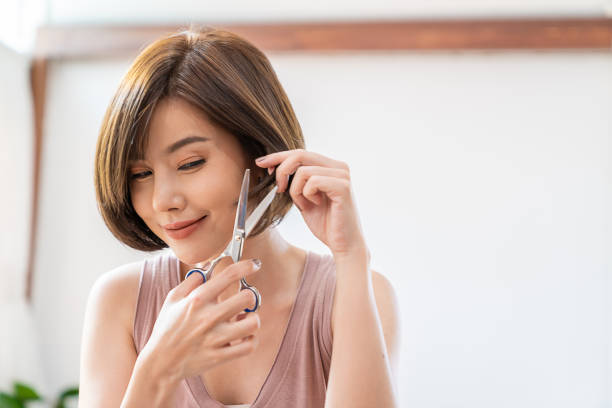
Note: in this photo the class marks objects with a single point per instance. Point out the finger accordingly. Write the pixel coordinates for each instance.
(221, 281)
(304, 173)
(273, 159)
(246, 346)
(333, 187)
(186, 286)
(222, 268)
(311, 158)
(288, 161)
(234, 305)
(230, 332)
(301, 158)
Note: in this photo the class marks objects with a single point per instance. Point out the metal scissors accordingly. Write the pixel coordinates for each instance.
(242, 229)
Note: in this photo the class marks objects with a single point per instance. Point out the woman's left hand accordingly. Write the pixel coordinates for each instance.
(321, 189)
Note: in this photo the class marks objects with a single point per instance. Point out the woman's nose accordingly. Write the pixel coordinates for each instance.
(167, 197)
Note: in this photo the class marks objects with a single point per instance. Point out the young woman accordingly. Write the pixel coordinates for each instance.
(193, 112)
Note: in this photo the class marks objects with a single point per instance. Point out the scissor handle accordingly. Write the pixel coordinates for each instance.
(197, 270)
(244, 285)
(207, 274)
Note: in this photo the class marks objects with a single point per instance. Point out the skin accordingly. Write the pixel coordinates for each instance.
(200, 329)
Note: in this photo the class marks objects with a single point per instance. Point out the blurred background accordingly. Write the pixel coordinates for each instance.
(479, 138)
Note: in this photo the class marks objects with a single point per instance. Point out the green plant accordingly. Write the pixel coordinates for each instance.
(23, 394)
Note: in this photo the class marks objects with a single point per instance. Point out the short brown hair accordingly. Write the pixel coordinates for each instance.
(222, 75)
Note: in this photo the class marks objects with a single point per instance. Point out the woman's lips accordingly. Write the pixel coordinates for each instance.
(183, 229)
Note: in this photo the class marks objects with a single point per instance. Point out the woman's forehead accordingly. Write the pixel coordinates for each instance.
(174, 119)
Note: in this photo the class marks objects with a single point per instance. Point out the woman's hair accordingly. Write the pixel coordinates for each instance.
(227, 79)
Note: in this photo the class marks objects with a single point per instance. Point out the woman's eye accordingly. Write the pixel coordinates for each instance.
(192, 164)
(140, 175)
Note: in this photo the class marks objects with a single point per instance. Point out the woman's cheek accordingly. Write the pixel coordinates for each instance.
(139, 198)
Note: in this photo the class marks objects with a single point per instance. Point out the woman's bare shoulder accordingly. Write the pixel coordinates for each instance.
(118, 289)
(107, 347)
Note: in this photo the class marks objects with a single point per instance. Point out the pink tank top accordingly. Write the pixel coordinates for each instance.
(298, 377)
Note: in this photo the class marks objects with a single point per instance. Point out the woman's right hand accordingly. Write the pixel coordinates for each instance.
(195, 332)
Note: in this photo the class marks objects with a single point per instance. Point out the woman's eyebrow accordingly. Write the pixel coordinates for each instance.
(185, 141)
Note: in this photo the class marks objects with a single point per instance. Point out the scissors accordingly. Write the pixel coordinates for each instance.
(242, 229)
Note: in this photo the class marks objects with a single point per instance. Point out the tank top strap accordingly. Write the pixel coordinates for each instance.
(323, 306)
(158, 276)
(316, 301)
(302, 365)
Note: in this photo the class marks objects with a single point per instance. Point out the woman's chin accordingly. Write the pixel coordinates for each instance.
(193, 256)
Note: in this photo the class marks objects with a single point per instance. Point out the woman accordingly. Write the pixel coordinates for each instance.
(193, 112)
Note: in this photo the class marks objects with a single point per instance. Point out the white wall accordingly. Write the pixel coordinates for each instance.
(18, 22)
(483, 182)
(19, 357)
(70, 11)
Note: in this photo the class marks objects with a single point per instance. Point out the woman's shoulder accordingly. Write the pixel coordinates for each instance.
(121, 275)
(107, 350)
(321, 261)
(123, 281)
(116, 291)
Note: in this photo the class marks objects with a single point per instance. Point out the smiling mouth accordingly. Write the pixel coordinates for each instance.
(181, 224)
(183, 229)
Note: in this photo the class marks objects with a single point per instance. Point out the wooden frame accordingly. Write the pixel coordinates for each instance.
(100, 41)
(62, 42)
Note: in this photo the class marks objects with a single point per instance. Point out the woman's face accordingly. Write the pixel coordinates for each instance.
(186, 187)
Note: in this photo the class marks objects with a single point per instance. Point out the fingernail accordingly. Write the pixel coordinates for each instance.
(270, 170)
(260, 159)
(256, 262)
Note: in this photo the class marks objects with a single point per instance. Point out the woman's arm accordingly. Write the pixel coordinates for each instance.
(360, 372)
(365, 331)
(388, 312)
(108, 376)
(193, 332)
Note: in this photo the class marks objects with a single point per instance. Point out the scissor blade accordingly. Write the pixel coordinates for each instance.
(259, 211)
(241, 211)
(235, 245)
